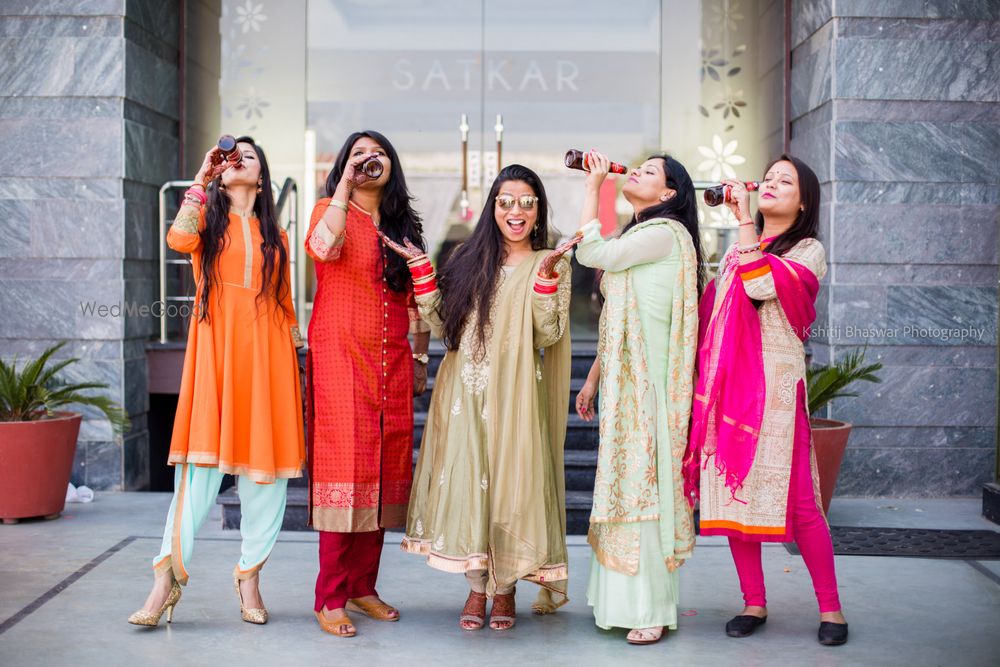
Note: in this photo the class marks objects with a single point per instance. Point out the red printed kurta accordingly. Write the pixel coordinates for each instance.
(360, 415)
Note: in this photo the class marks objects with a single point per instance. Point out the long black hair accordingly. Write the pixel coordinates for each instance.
(806, 225)
(397, 219)
(213, 237)
(469, 279)
(682, 207)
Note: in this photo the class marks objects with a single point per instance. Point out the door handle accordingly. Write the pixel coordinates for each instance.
(499, 130)
(463, 203)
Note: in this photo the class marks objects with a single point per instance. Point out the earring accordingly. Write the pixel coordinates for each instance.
(534, 232)
(260, 184)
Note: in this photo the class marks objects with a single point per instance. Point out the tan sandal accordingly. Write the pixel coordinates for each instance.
(473, 612)
(503, 611)
(378, 610)
(334, 625)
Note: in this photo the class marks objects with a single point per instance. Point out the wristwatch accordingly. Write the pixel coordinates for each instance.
(421, 358)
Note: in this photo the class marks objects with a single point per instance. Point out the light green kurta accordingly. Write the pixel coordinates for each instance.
(641, 527)
(488, 491)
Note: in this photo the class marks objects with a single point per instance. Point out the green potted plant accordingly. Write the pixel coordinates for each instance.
(38, 436)
(825, 383)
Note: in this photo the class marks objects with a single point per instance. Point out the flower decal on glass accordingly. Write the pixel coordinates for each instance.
(250, 16)
(720, 159)
(252, 105)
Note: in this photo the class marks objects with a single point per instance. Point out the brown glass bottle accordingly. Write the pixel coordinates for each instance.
(230, 151)
(578, 160)
(719, 194)
(371, 168)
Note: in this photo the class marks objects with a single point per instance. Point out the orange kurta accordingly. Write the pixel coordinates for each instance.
(240, 404)
(360, 386)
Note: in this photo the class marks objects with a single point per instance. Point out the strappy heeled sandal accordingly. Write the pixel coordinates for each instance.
(503, 611)
(474, 612)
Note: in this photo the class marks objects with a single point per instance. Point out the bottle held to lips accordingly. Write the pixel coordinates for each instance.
(578, 160)
(719, 194)
(230, 151)
(371, 168)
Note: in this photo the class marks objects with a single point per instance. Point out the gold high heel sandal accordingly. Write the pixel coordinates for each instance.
(152, 619)
(255, 616)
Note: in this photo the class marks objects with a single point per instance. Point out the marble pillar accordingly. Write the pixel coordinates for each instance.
(88, 131)
(894, 104)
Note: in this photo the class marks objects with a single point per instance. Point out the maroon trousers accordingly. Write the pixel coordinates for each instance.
(348, 567)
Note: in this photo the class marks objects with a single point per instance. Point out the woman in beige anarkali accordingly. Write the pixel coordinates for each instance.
(488, 496)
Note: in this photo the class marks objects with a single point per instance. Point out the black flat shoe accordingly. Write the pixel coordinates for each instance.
(832, 634)
(744, 626)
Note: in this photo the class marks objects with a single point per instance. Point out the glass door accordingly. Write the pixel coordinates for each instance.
(456, 85)
(572, 74)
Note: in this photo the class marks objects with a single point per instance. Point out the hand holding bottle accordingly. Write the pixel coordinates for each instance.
(738, 200)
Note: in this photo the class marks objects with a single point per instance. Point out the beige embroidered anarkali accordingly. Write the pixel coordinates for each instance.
(489, 489)
(762, 514)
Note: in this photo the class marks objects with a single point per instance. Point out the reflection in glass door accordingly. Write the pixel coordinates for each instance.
(456, 84)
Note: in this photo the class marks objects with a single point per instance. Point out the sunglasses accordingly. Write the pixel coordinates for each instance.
(526, 202)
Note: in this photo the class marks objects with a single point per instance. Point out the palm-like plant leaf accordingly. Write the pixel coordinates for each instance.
(826, 383)
(35, 392)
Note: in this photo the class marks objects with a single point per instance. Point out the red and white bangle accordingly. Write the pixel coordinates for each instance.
(423, 286)
(422, 272)
(547, 286)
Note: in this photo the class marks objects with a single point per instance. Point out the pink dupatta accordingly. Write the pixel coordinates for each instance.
(730, 392)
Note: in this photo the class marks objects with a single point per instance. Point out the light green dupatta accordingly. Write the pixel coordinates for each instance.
(635, 423)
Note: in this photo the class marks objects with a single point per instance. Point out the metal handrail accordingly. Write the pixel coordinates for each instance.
(287, 193)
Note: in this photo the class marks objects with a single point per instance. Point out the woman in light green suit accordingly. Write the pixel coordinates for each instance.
(641, 527)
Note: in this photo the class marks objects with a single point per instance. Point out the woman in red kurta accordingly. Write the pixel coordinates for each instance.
(362, 377)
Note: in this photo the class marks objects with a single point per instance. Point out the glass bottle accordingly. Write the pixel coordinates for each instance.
(578, 160)
(718, 194)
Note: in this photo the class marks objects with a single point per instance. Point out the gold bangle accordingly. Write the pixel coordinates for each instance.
(339, 204)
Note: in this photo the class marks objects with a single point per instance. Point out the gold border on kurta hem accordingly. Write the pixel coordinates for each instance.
(345, 519)
(463, 564)
(259, 476)
(393, 516)
(650, 517)
(439, 561)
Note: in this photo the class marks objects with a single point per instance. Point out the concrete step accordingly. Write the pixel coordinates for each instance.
(578, 504)
(579, 434)
(422, 403)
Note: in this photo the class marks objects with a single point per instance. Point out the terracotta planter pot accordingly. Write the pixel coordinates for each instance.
(36, 460)
(830, 440)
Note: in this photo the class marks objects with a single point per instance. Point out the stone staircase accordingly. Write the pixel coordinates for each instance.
(580, 453)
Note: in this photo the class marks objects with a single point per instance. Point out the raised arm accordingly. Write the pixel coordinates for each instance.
(642, 246)
(184, 234)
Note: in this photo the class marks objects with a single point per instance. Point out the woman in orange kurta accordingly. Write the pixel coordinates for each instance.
(362, 374)
(240, 405)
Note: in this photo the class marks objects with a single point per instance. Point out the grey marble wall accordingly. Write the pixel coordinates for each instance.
(88, 131)
(894, 104)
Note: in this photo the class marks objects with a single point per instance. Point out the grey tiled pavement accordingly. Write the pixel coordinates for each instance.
(901, 611)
